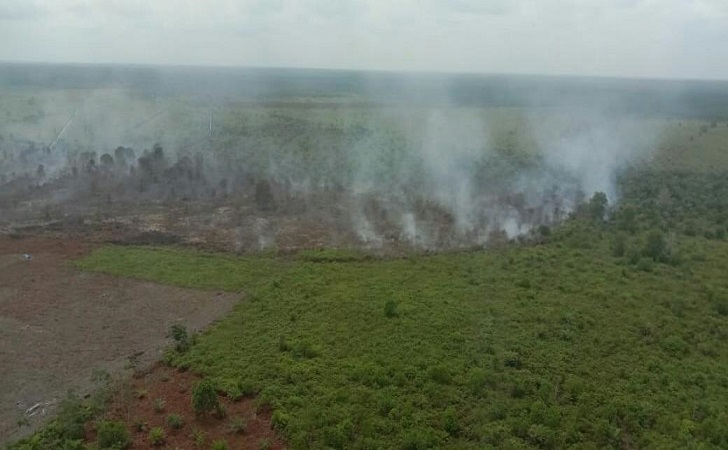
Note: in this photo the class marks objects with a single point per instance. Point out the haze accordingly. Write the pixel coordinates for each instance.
(649, 38)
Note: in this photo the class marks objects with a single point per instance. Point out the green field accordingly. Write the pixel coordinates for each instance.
(565, 344)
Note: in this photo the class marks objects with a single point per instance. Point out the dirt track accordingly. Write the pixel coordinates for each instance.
(59, 325)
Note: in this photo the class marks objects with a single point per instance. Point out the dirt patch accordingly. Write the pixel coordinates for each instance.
(137, 403)
(59, 326)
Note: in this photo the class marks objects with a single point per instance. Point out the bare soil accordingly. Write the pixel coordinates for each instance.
(134, 404)
(59, 326)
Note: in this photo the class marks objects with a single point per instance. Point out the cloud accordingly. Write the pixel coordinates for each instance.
(665, 38)
(14, 10)
(488, 7)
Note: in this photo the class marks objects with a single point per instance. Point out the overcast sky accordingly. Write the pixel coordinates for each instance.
(642, 38)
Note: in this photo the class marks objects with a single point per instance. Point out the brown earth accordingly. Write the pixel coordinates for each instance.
(59, 326)
(136, 403)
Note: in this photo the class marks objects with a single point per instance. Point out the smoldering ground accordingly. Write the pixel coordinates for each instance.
(424, 168)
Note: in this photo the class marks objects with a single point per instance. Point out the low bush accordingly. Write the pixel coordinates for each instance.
(237, 425)
(113, 435)
(157, 437)
(204, 398)
(181, 338)
(175, 421)
(219, 444)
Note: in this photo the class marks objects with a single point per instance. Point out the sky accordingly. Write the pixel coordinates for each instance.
(633, 38)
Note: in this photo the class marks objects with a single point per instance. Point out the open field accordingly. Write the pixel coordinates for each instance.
(61, 326)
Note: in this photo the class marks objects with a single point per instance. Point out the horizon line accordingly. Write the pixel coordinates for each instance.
(363, 70)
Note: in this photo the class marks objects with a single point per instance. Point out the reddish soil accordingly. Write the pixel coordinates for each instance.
(59, 326)
(134, 404)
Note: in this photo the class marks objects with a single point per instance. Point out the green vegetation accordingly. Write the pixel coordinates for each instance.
(220, 444)
(66, 431)
(157, 436)
(113, 435)
(204, 398)
(181, 338)
(610, 333)
(175, 421)
(198, 438)
(237, 425)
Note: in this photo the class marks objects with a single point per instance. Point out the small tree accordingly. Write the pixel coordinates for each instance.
(656, 246)
(181, 338)
(204, 398)
(597, 206)
(107, 161)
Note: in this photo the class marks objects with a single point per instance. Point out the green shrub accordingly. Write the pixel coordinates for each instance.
(181, 338)
(512, 359)
(113, 435)
(441, 374)
(264, 444)
(633, 255)
(541, 436)
(390, 308)
(246, 387)
(597, 206)
(645, 265)
(67, 430)
(204, 398)
(450, 422)
(675, 345)
(279, 420)
(175, 421)
(237, 425)
(420, 439)
(477, 380)
(220, 444)
(198, 438)
(157, 436)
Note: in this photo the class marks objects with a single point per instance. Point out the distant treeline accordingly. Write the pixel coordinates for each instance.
(667, 98)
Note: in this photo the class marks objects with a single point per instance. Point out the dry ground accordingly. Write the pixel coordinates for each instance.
(244, 426)
(59, 326)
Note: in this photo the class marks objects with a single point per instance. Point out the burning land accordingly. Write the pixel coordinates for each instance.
(242, 173)
(416, 261)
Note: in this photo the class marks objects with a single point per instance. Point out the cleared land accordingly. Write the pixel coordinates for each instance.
(59, 325)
